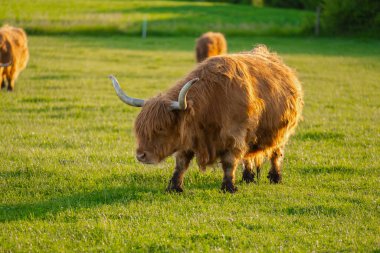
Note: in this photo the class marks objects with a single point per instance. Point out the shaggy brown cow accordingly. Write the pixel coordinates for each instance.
(210, 44)
(241, 107)
(14, 54)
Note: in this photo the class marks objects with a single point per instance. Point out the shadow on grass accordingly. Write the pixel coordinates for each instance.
(134, 187)
(282, 45)
(130, 188)
(50, 208)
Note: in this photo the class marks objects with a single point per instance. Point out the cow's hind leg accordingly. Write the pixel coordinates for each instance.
(11, 83)
(229, 163)
(12, 79)
(3, 84)
(276, 162)
(248, 173)
(2, 78)
(183, 159)
(249, 165)
(259, 160)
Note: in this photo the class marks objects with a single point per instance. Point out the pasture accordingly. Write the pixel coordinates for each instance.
(69, 180)
(164, 17)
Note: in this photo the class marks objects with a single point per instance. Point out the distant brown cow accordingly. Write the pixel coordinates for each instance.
(210, 44)
(241, 107)
(14, 54)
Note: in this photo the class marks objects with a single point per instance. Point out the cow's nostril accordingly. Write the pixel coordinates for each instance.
(141, 155)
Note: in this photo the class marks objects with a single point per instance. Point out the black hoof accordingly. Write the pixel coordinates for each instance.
(248, 176)
(274, 178)
(172, 187)
(229, 187)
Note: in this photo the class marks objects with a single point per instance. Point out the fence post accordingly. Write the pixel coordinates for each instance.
(317, 20)
(144, 28)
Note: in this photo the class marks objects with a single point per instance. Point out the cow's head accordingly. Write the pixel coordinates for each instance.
(157, 126)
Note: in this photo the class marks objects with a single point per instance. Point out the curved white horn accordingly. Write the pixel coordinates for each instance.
(181, 104)
(123, 97)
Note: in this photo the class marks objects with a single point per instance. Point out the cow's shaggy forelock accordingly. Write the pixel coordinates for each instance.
(155, 126)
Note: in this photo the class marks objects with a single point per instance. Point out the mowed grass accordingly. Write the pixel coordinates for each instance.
(69, 180)
(164, 17)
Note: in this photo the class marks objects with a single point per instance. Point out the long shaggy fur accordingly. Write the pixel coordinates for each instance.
(247, 103)
(13, 47)
(210, 44)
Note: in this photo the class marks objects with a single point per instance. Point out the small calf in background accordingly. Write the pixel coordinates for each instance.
(210, 44)
(14, 54)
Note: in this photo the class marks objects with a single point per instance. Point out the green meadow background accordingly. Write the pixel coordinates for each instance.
(69, 181)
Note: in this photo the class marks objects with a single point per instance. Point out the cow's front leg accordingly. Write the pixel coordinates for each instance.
(248, 172)
(2, 80)
(229, 163)
(274, 174)
(182, 161)
(11, 83)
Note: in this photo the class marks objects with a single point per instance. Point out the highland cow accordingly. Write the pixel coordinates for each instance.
(210, 44)
(231, 108)
(14, 54)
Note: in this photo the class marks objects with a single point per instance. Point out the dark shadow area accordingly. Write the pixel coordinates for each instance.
(52, 207)
(283, 45)
(42, 210)
(135, 187)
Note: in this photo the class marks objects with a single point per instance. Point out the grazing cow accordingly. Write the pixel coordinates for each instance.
(210, 44)
(14, 54)
(229, 108)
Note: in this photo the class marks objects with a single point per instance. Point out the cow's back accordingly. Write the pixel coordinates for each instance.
(241, 100)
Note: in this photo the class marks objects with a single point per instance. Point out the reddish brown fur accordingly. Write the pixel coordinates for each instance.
(13, 47)
(245, 106)
(210, 44)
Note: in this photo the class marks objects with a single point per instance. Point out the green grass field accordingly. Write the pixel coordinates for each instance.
(164, 17)
(69, 180)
